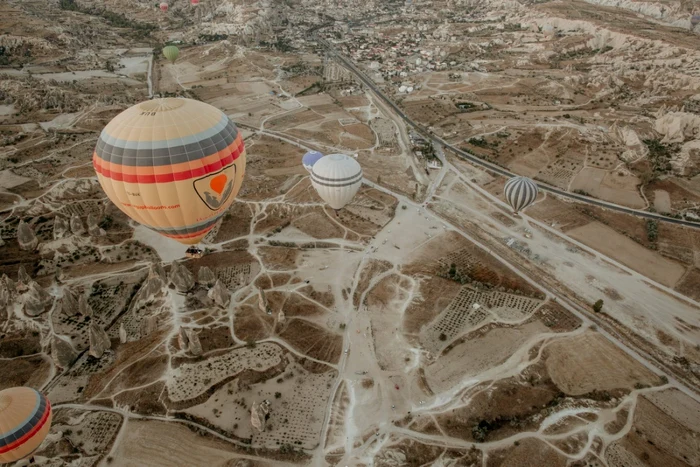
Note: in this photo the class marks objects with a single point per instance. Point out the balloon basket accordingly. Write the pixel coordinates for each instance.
(194, 252)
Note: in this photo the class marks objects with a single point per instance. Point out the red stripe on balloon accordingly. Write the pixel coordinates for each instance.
(190, 235)
(171, 177)
(16, 444)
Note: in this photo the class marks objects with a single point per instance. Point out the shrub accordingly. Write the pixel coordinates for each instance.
(652, 230)
(597, 306)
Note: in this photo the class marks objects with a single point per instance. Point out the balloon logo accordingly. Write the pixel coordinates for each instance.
(218, 183)
(215, 189)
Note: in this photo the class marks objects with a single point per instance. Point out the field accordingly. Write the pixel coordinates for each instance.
(629, 253)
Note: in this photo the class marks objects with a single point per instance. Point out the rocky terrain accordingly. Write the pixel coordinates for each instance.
(424, 323)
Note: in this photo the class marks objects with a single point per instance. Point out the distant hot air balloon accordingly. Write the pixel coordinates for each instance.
(548, 30)
(171, 53)
(336, 178)
(520, 193)
(174, 165)
(310, 158)
(194, 2)
(695, 20)
(25, 419)
(163, 6)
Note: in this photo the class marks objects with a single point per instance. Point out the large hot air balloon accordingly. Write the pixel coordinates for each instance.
(336, 178)
(174, 165)
(171, 53)
(695, 20)
(520, 193)
(163, 6)
(25, 419)
(310, 158)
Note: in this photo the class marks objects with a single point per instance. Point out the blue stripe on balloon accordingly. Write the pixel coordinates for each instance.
(19, 431)
(165, 144)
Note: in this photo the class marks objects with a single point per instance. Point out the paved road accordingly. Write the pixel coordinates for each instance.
(488, 165)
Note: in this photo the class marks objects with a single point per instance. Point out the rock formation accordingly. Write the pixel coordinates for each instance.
(280, 317)
(36, 300)
(60, 227)
(149, 325)
(62, 352)
(26, 237)
(6, 299)
(262, 301)
(10, 286)
(156, 269)
(677, 127)
(99, 340)
(76, 225)
(182, 339)
(206, 277)
(219, 294)
(154, 284)
(122, 333)
(69, 303)
(84, 307)
(194, 346)
(259, 414)
(180, 277)
(93, 226)
(23, 279)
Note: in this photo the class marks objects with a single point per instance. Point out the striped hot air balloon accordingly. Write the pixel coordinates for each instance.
(174, 165)
(310, 158)
(336, 178)
(520, 193)
(163, 6)
(25, 419)
(171, 53)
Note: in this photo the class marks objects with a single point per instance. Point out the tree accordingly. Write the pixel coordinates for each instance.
(453, 270)
(597, 306)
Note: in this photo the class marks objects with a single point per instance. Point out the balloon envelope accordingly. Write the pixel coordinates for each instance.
(173, 165)
(194, 2)
(164, 6)
(336, 178)
(310, 158)
(520, 192)
(695, 20)
(171, 53)
(25, 420)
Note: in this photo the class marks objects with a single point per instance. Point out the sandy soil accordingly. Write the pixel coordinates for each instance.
(628, 252)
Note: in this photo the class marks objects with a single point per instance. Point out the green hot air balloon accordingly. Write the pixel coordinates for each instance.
(171, 53)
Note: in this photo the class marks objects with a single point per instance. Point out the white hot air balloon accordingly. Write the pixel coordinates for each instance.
(520, 193)
(336, 178)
